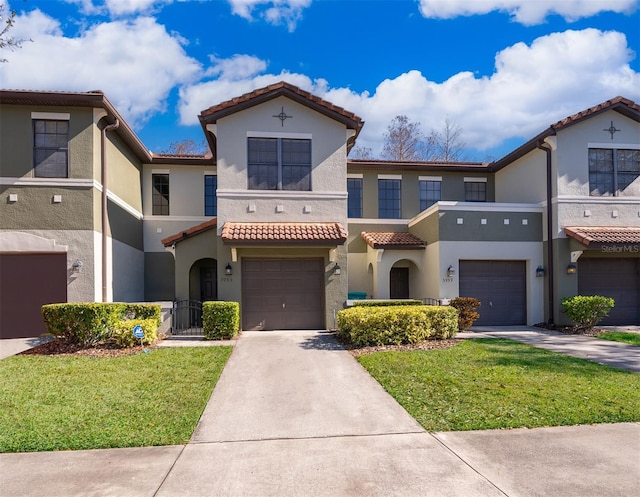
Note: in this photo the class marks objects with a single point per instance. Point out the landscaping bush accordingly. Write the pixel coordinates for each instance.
(220, 320)
(466, 307)
(122, 333)
(386, 303)
(587, 311)
(89, 323)
(397, 325)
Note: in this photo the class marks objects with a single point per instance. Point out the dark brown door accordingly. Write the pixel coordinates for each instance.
(27, 282)
(283, 294)
(501, 288)
(399, 283)
(208, 284)
(615, 278)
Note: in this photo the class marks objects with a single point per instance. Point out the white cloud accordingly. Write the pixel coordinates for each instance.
(136, 63)
(275, 12)
(237, 67)
(525, 11)
(119, 7)
(532, 86)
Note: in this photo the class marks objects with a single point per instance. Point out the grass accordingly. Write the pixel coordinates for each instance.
(69, 403)
(498, 383)
(621, 336)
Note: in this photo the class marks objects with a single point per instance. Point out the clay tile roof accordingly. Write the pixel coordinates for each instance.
(194, 230)
(390, 240)
(284, 233)
(614, 102)
(604, 235)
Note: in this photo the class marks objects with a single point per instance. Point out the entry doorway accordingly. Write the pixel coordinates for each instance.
(399, 283)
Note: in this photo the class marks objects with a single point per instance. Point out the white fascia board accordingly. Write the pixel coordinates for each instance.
(65, 182)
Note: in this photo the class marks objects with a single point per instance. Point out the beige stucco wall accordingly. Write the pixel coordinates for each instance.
(524, 180)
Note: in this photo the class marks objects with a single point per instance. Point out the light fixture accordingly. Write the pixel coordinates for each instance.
(540, 272)
(77, 266)
(228, 270)
(336, 270)
(571, 268)
(451, 272)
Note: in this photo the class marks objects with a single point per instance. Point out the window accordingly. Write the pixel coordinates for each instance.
(354, 189)
(160, 195)
(430, 193)
(611, 171)
(210, 199)
(279, 164)
(50, 148)
(475, 191)
(389, 200)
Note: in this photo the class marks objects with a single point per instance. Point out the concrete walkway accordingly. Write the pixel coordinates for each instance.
(294, 414)
(616, 354)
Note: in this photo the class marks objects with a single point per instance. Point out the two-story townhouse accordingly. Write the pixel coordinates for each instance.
(585, 171)
(278, 219)
(70, 205)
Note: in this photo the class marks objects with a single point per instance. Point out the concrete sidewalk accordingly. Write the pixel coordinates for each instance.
(615, 354)
(294, 414)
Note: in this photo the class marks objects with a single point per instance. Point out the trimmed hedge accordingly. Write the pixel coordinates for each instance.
(122, 332)
(220, 320)
(90, 323)
(587, 311)
(385, 303)
(397, 325)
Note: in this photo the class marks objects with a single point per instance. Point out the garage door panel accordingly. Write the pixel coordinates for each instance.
(500, 286)
(618, 278)
(296, 283)
(27, 282)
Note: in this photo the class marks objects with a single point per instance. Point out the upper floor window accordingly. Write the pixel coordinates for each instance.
(611, 171)
(354, 190)
(475, 191)
(210, 199)
(279, 164)
(51, 148)
(389, 199)
(160, 194)
(430, 192)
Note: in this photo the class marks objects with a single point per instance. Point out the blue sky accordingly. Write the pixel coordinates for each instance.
(503, 70)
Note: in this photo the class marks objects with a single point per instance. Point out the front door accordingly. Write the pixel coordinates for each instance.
(208, 284)
(399, 283)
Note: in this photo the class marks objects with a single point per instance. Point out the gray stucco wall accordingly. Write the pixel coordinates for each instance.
(159, 276)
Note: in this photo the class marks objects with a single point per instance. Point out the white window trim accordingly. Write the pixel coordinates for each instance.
(160, 171)
(430, 178)
(615, 146)
(355, 176)
(51, 116)
(390, 176)
(475, 180)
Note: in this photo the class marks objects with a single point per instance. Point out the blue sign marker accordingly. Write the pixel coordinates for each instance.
(138, 332)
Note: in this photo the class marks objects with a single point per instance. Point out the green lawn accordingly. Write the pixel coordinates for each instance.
(621, 336)
(499, 383)
(58, 403)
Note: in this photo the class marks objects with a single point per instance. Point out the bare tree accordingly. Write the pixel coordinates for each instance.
(404, 141)
(448, 145)
(7, 20)
(186, 147)
(359, 152)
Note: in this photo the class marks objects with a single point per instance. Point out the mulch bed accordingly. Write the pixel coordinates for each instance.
(570, 330)
(61, 348)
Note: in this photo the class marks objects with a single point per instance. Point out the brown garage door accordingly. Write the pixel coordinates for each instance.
(616, 278)
(501, 288)
(27, 281)
(283, 294)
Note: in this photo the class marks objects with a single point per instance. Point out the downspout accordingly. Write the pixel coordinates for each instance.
(103, 179)
(550, 271)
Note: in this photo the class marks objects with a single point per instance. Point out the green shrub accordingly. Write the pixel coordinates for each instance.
(467, 314)
(587, 311)
(364, 325)
(220, 320)
(123, 337)
(385, 303)
(90, 323)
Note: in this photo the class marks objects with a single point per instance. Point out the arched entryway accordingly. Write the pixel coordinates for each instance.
(400, 279)
(203, 280)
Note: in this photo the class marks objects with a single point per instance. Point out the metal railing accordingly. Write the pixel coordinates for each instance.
(187, 318)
